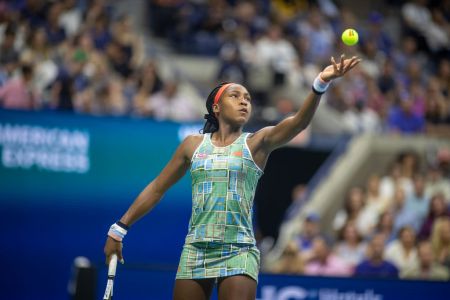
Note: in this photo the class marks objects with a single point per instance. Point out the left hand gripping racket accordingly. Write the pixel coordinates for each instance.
(111, 274)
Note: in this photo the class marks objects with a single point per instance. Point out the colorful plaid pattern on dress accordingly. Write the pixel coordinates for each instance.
(224, 181)
(213, 260)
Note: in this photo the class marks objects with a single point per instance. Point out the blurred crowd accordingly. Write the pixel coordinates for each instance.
(81, 56)
(277, 47)
(396, 226)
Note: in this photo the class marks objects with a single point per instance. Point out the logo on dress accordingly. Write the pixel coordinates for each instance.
(202, 155)
(237, 153)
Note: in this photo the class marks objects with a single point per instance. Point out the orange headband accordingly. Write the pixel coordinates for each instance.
(220, 92)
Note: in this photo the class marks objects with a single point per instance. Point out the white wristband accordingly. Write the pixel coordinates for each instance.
(116, 232)
(319, 85)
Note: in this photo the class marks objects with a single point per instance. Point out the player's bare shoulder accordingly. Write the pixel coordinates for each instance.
(190, 143)
(256, 140)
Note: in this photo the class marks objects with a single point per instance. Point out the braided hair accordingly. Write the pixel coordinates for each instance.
(211, 124)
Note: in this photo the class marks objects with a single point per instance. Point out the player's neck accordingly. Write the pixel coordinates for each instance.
(226, 135)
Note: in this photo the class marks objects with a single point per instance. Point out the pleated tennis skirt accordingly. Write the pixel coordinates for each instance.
(215, 260)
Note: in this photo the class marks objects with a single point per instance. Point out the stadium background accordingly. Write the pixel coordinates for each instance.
(69, 168)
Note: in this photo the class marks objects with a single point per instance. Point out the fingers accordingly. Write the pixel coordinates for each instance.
(335, 67)
(112, 247)
(352, 63)
(120, 256)
(341, 67)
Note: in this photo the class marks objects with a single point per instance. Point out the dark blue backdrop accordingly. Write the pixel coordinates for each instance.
(60, 192)
(50, 215)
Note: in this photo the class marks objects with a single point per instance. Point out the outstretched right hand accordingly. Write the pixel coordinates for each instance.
(112, 246)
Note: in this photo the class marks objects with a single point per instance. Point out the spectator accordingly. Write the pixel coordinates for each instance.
(8, 52)
(274, 51)
(409, 166)
(353, 206)
(232, 68)
(69, 81)
(418, 202)
(376, 204)
(438, 208)
(402, 252)
(402, 119)
(375, 266)
(100, 32)
(96, 66)
(149, 83)
(408, 52)
(118, 59)
(377, 103)
(440, 240)
(324, 262)
(378, 34)
(437, 110)
(18, 93)
(170, 104)
(395, 179)
(360, 119)
(443, 76)
(443, 160)
(387, 82)
(373, 57)
(418, 21)
(402, 215)
(70, 18)
(55, 33)
(131, 43)
(437, 183)
(428, 268)
(310, 230)
(41, 55)
(290, 262)
(34, 13)
(110, 98)
(350, 247)
(317, 37)
(385, 226)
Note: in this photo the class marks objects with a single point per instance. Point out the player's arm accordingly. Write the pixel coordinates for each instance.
(275, 136)
(152, 193)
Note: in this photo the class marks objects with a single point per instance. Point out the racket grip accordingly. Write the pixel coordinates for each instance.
(112, 266)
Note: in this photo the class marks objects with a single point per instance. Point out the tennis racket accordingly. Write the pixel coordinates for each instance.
(111, 274)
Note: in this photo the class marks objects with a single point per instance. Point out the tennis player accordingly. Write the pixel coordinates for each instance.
(225, 165)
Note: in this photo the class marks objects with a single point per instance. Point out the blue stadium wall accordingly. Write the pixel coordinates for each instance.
(65, 178)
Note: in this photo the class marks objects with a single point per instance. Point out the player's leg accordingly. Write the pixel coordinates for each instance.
(237, 287)
(190, 289)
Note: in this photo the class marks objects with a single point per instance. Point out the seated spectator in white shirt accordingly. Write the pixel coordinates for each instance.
(427, 268)
(402, 252)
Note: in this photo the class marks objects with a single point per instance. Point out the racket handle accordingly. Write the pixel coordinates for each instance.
(112, 266)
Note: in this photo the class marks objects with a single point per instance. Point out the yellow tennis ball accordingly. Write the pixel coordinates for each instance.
(350, 37)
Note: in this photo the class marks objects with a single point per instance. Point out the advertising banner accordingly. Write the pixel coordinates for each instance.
(65, 178)
(147, 283)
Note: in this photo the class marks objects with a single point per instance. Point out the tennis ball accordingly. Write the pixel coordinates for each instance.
(350, 37)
